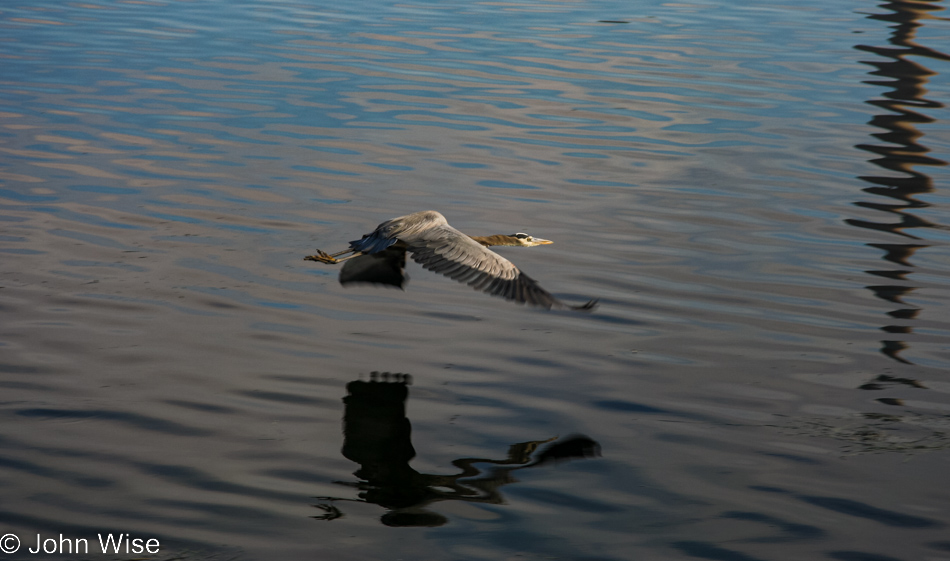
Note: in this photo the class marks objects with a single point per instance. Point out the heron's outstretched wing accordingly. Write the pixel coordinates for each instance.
(445, 250)
(402, 228)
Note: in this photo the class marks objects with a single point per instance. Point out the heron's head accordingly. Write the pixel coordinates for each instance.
(526, 240)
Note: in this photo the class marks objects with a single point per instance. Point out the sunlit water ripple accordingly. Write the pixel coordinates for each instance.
(755, 192)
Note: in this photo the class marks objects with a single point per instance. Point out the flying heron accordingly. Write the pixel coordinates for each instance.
(380, 257)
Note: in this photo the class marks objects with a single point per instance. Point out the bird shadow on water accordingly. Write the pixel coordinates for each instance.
(377, 436)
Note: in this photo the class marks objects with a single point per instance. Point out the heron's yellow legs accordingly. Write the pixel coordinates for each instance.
(324, 257)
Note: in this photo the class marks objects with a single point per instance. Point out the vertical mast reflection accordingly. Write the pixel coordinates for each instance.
(900, 152)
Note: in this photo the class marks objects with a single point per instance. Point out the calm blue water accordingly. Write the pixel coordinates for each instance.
(755, 192)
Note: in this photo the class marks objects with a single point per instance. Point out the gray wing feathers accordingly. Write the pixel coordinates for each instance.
(404, 227)
(441, 248)
(447, 251)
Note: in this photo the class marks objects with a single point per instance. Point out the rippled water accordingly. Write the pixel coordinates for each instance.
(755, 191)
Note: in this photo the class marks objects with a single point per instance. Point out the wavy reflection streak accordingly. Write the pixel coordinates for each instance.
(902, 153)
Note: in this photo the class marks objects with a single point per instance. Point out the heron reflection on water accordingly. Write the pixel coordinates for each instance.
(380, 257)
(377, 435)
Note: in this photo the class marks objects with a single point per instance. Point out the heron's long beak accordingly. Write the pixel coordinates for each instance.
(539, 241)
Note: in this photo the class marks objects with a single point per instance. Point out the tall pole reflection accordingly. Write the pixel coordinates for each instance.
(900, 152)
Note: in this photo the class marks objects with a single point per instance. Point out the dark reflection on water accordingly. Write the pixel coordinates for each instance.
(903, 153)
(378, 436)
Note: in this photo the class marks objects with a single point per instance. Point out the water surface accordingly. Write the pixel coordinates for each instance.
(756, 193)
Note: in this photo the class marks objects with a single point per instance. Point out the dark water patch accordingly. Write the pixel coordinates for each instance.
(280, 328)
(122, 266)
(536, 361)
(200, 480)
(23, 251)
(99, 240)
(600, 183)
(133, 420)
(203, 407)
(282, 397)
(295, 475)
(608, 318)
(562, 500)
(451, 317)
(83, 218)
(219, 305)
(321, 170)
(241, 518)
(860, 556)
(797, 458)
(26, 198)
(788, 531)
(707, 550)
(19, 369)
(464, 165)
(767, 489)
(126, 304)
(25, 386)
(628, 407)
(505, 185)
(27, 467)
(333, 150)
(859, 509)
(105, 190)
(308, 380)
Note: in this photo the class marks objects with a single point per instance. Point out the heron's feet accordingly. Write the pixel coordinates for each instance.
(322, 257)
